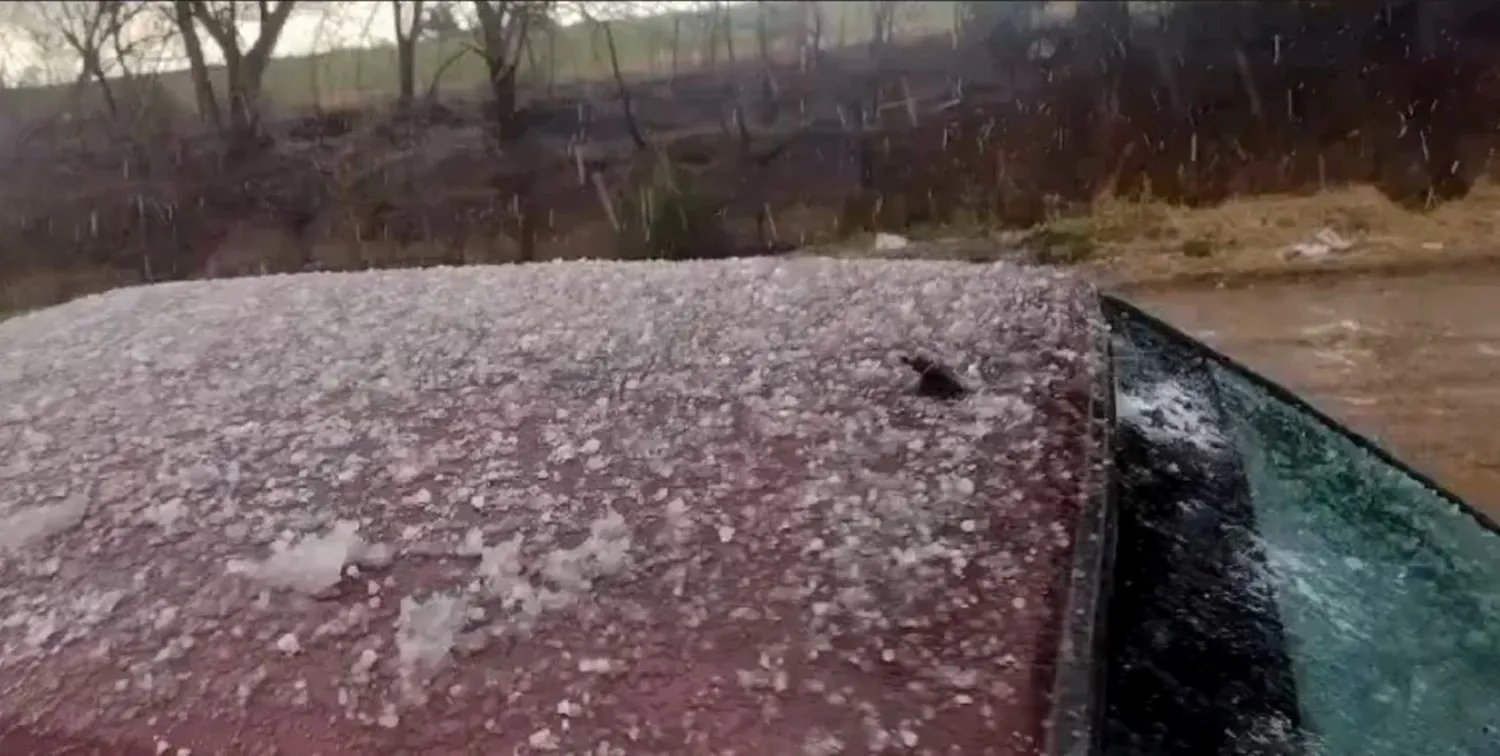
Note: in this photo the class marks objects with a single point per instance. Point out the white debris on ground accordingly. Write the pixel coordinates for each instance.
(19, 528)
(425, 634)
(583, 508)
(1342, 329)
(1322, 244)
(885, 242)
(1165, 412)
(314, 564)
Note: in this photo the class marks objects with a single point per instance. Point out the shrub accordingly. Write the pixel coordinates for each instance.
(669, 217)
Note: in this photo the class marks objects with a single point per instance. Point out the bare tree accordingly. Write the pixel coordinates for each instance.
(502, 32)
(540, 46)
(768, 87)
(882, 31)
(883, 24)
(244, 67)
(504, 27)
(762, 34)
(604, 29)
(676, 42)
(408, 17)
(94, 32)
(203, 88)
(710, 19)
(614, 64)
(726, 26)
(442, 21)
(812, 35)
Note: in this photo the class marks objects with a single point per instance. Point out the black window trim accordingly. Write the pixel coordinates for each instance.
(1075, 716)
(1267, 680)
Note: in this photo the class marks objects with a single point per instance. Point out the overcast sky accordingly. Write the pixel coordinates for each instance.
(343, 24)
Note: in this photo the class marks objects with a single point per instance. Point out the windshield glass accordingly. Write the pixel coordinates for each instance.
(1388, 591)
(1346, 605)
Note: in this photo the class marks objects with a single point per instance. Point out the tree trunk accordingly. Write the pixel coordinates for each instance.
(203, 88)
(94, 69)
(243, 125)
(883, 16)
(614, 64)
(676, 41)
(711, 49)
(762, 36)
(503, 33)
(767, 79)
(813, 38)
(551, 61)
(728, 29)
(406, 67)
(406, 51)
(531, 62)
(243, 69)
(253, 64)
(503, 92)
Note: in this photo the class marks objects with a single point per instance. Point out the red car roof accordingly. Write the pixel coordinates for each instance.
(576, 508)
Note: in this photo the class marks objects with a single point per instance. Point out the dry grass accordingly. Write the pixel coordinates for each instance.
(39, 289)
(1122, 243)
(1149, 244)
(1143, 242)
(1273, 222)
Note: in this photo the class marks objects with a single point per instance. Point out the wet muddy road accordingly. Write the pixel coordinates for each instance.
(1413, 361)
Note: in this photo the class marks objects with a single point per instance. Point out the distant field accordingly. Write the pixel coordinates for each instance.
(350, 76)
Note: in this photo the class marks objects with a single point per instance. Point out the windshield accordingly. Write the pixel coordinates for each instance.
(1386, 587)
(1380, 586)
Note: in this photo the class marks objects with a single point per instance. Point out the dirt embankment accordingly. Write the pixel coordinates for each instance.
(925, 136)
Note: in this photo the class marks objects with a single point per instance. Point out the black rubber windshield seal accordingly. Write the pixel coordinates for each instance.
(1077, 706)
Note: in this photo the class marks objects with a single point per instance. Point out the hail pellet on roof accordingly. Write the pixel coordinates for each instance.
(575, 508)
